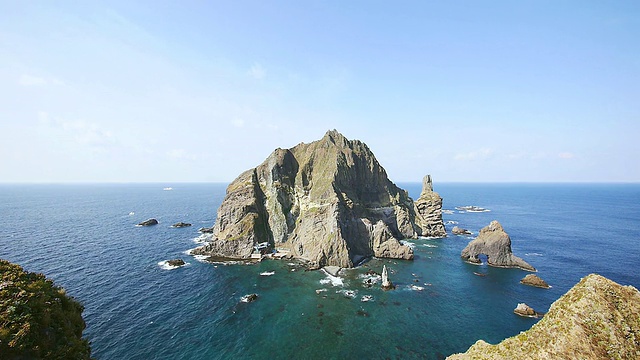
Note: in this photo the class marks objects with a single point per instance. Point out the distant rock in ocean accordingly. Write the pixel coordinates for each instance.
(460, 231)
(525, 310)
(329, 202)
(494, 242)
(149, 222)
(429, 211)
(596, 319)
(386, 283)
(534, 280)
(180, 225)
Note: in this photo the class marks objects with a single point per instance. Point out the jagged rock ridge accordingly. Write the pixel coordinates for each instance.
(596, 319)
(428, 209)
(328, 201)
(494, 242)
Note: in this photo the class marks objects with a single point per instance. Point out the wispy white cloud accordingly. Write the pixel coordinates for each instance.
(31, 80)
(257, 72)
(82, 132)
(566, 155)
(479, 154)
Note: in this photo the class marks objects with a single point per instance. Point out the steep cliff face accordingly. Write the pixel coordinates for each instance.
(329, 201)
(428, 209)
(596, 319)
(494, 242)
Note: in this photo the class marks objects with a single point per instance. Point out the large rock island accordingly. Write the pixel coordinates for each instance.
(596, 319)
(494, 242)
(329, 202)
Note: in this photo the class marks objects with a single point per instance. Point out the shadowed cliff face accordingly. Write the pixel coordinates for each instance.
(329, 202)
(596, 319)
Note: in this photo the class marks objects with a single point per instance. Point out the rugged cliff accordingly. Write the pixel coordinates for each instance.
(596, 319)
(494, 242)
(328, 201)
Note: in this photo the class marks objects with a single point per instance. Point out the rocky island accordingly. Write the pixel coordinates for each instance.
(494, 242)
(329, 202)
(596, 319)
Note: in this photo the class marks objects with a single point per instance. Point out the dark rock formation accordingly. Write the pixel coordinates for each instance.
(329, 202)
(180, 225)
(37, 319)
(534, 280)
(149, 222)
(460, 231)
(386, 283)
(175, 262)
(496, 244)
(206, 230)
(596, 319)
(428, 209)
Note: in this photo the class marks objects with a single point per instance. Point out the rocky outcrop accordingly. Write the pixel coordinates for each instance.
(386, 283)
(176, 262)
(534, 280)
(428, 210)
(37, 319)
(494, 242)
(329, 202)
(525, 310)
(596, 319)
(460, 231)
(180, 225)
(149, 222)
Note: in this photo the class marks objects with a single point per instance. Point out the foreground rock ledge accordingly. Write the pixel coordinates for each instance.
(329, 202)
(596, 319)
(494, 242)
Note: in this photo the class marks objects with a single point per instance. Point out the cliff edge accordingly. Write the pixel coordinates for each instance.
(596, 319)
(328, 201)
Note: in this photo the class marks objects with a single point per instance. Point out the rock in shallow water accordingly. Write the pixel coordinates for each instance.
(149, 222)
(460, 231)
(534, 280)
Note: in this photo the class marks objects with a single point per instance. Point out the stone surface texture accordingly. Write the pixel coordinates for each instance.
(534, 280)
(494, 242)
(428, 210)
(596, 319)
(329, 202)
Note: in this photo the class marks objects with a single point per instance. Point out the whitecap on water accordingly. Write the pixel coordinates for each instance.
(416, 288)
(333, 280)
(267, 273)
(348, 293)
(408, 243)
(533, 254)
(165, 265)
(366, 298)
(430, 245)
(202, 238)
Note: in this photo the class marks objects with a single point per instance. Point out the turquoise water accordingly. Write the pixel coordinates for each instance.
(83, 237)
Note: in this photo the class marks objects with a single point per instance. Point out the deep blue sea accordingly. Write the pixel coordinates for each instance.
(83, 237)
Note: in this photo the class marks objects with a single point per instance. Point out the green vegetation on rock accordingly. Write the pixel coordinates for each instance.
(37, 319)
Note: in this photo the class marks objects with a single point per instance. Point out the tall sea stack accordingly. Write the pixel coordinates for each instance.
(428, 209)
(329, 202)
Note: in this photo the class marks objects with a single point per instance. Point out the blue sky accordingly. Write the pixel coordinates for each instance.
(168, 91)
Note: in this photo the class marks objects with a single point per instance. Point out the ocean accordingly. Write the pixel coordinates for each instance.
(84, 237)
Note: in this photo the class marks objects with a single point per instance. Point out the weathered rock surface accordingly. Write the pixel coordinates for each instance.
(329, 202)
(428, 210)
(534, 280)
(386, 283)
(525, 310)
(596, 319)
(460, 231)
(149, 222)
(180, 225)
(494, 242)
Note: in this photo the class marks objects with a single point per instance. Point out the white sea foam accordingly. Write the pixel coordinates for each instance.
(202, 238)
(451, 222)
(267, 273)
(408, 243)
(449, 212)
(131, 213)
(533, 254)
(348, 293)
(333, 280)
(430, 245)
(165, 265)
(318, 291)
(366, 298)
(416, 288)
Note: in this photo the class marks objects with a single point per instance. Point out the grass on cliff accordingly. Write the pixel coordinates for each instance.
(37, 319)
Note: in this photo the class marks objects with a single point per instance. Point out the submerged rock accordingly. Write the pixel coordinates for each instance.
(180, 225)
(428, 210)
(386, 283)
(494, 242)
(149, 222)
(249, 298)
(596, 319)
(460, 231)
(534, 280)
(329, 202)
